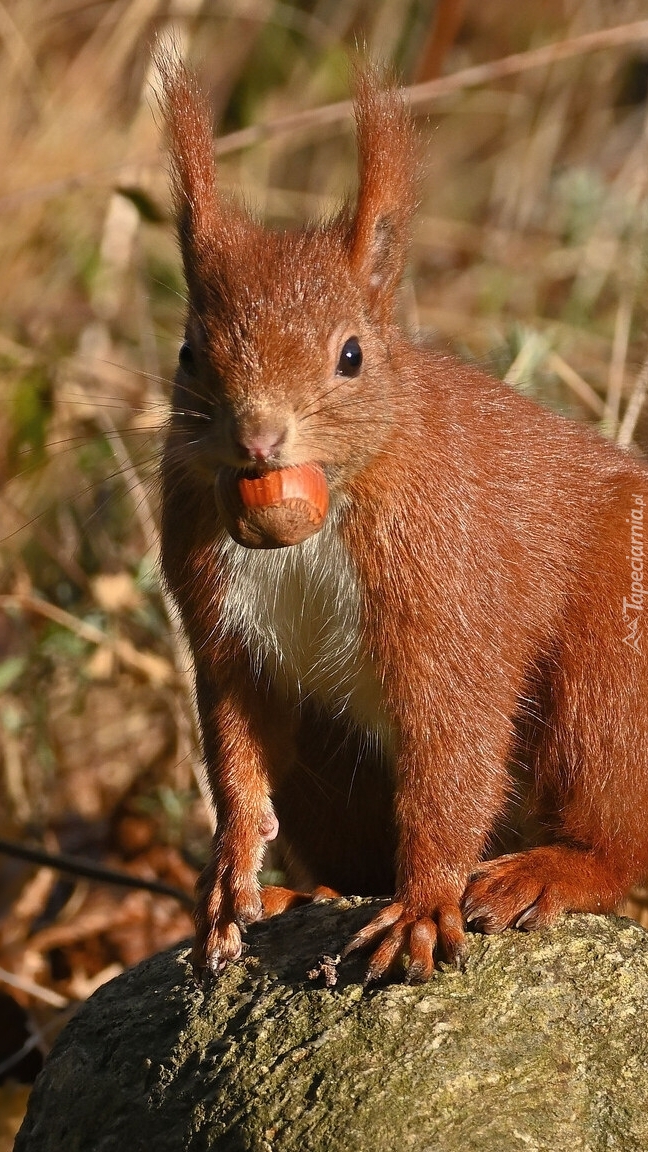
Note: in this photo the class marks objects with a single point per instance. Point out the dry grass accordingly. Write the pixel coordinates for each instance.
(529, 256)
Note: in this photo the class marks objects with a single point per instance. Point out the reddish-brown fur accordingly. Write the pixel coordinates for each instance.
(490, 543)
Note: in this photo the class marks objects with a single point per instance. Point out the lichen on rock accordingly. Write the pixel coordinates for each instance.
(539, 1045)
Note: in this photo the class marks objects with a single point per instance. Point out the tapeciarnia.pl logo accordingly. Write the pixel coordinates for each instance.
(633, 605)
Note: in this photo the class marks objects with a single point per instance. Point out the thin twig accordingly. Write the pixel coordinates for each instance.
(140, 500)
(530, 357)
(36, 1040)
(79, 866)
(153, 667)
(37, 990)
(573, 380)
(618, 362)
(422, 94)
(633, 410)
(442, 34)
(419, 95)
(16, 1057)
(182, 670)
(49, 544)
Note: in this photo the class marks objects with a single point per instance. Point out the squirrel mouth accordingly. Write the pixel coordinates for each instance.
(272, 508)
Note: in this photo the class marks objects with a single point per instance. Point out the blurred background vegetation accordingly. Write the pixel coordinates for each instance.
(529, 257)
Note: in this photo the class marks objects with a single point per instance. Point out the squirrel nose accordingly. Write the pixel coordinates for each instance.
(260, 444)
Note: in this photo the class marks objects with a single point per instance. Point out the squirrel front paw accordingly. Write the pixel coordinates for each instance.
(224, 906)
(530, 889)
(415, 939)
(213, 949)
(228, 895)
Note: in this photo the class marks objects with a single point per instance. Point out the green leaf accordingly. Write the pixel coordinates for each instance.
(11, 670)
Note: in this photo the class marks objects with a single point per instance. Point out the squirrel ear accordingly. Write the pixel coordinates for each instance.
(388, 162)
(201, 217)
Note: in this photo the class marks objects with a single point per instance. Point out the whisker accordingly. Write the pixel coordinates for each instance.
(172, 291)
(321, 397)
(111, 405)
(91, 363)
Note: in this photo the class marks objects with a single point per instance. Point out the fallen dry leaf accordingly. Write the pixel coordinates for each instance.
(116, 592)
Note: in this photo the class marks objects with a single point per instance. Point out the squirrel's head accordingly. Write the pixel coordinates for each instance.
(285, 359)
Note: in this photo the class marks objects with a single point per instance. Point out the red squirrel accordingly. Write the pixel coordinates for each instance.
(473, 597)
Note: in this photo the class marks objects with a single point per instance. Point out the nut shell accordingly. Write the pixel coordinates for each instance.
(274, 509)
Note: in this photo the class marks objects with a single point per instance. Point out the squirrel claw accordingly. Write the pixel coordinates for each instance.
(524, 890)
(420, 938)
(375, 928)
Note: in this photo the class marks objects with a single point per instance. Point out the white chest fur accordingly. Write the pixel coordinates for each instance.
(298, 611)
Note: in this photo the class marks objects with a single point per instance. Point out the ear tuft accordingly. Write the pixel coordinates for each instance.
(388, 162)
(191, 147)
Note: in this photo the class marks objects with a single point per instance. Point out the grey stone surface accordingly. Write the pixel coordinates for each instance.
(540, 1045)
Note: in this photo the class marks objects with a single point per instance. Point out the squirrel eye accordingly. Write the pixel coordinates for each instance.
(350, 361)
(186, 359)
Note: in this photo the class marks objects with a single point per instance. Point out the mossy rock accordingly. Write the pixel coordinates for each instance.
(540, 1044)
